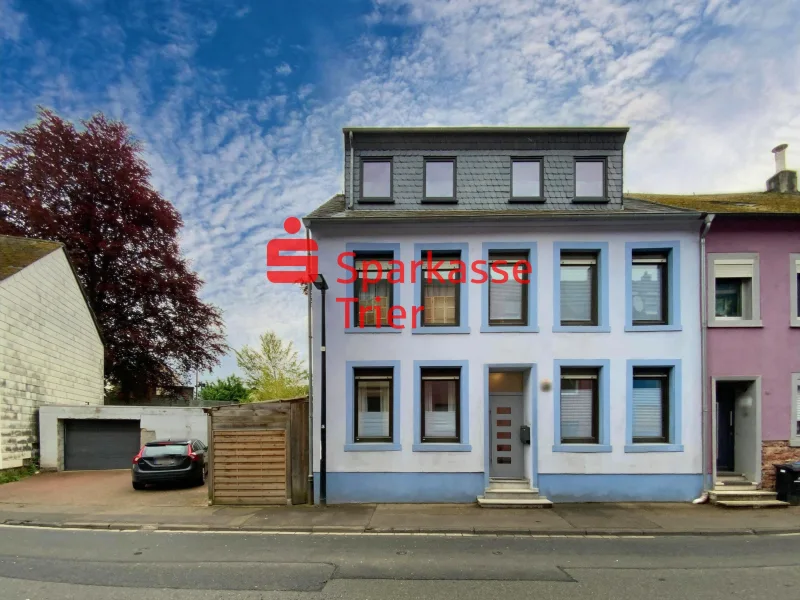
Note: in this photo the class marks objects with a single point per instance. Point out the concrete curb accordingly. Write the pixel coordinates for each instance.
(345, 529)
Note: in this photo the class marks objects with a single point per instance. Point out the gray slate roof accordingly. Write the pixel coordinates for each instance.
(334, 211)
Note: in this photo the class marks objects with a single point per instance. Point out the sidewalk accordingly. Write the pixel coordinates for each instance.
(562, 519)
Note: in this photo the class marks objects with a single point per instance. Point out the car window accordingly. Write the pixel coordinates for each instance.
(165, 450)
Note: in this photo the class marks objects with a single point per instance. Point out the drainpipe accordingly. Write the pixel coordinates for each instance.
(704, 420)
(352, 158)
(310, 384)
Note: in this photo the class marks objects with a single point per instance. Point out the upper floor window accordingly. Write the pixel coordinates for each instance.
(649, 281)
(441, 289)
(590, 179)
(526, 179)
(373, 290)
(794, 289)
(795, 417)
(440, 180)
(578, 288)
(734, 290)
(508, 288)
(376, 179)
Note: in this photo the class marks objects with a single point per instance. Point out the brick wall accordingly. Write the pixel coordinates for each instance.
(50, 352)
(773, 453)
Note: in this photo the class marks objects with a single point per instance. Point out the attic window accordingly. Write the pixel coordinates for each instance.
(440, 180)
(376, 180)
(590, 179)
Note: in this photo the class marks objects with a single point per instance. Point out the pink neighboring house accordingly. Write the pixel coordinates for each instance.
(753, 334)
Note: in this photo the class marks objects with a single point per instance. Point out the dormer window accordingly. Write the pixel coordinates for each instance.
(526, 179)
(376, 180)
(590, 179)
(440, 180)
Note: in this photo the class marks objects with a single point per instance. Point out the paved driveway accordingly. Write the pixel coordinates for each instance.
(108, 489)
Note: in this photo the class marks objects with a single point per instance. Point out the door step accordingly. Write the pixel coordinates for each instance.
(512, 493)
(752, 503)
(718, 494)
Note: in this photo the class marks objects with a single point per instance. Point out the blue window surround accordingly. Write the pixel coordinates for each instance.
(463, 326)
(463, 396)
(529, 368)
(604, 436)
(533, 287)
(675, 394)
(673, 283)
(350, 443)
(351, 291)
(602, 280)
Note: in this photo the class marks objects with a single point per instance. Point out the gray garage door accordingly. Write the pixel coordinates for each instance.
(93, 444)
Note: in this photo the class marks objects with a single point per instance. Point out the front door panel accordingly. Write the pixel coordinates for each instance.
(505, 414)
(725, 435)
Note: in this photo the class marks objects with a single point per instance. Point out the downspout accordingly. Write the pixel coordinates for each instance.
(352, 158)
(704, 420)
(309, 288)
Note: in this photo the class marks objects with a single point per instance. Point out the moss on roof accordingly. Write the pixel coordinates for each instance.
(16, 253)
(733, 203)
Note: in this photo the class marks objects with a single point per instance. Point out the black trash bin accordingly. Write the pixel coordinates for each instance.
(786, 477)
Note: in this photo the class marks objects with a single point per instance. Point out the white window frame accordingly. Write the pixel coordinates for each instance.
(794, 271)
(794, 438)
(755, 291)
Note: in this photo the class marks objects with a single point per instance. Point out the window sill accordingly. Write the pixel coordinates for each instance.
(581, 447)
(441, 448)
(509, 329)
(382, 329)
(439, 330)
(733, 323)
(668, 327)
(376, 447)
(440, 201)
(794, 443)
(633, 448)
(581, 329)
(376, 201)
(794, 323)
(597, 200)
(531, 200)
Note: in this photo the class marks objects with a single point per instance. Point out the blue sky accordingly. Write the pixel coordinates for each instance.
(240, 103)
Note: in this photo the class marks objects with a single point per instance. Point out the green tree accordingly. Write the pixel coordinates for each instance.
(273, 370)
(231, 390)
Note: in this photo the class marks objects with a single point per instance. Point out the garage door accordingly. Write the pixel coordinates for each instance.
(93, 444)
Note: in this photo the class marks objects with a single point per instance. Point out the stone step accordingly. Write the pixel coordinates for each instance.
(731, 478)
(752, 503)
(510, 494)
(514, 503)
(736, 485)
(496, 483)
(746, 495)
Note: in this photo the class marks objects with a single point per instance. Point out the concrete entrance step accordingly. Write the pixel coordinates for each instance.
(502, 483)
(752, 503)
(510, 494)
(537, 502)
(718, 494)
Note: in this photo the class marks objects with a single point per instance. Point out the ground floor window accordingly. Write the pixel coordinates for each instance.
(373, 403)
(441, 410)
(580, 405)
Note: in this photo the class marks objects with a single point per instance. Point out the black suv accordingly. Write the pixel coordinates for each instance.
(170, 461)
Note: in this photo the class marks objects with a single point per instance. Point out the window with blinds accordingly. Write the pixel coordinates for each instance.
(733, 282)
(440, 299)
(373, 405)
(650, 405)
(796, 411)
(508, 298)
(441, 405)
(580, 406)
(578, 288)
(374, 299)
(649, 293)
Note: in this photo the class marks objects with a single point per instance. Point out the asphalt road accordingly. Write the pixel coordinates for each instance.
(42, 564)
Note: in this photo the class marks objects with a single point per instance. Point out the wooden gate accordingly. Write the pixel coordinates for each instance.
(249, 466)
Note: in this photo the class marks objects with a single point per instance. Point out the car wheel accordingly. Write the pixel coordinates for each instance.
(138, 486)
(201, 480)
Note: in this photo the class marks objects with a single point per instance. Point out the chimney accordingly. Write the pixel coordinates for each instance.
(784, 181)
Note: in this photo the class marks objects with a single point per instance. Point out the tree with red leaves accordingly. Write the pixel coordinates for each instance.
(89, 188)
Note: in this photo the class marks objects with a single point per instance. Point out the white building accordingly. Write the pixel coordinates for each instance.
(596, 351)
(51, 351)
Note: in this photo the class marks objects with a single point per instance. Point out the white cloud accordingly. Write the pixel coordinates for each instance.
(11, 21)
(283, 69)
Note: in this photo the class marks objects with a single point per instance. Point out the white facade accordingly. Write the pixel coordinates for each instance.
(615, 472)
(50, 351)
(155, 423)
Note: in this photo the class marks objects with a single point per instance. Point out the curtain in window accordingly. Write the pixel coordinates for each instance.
(647, 408)
(373, 409)
(440, 302)
(440, 408)
(505, 299)
(381, 289)
(577, 408)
